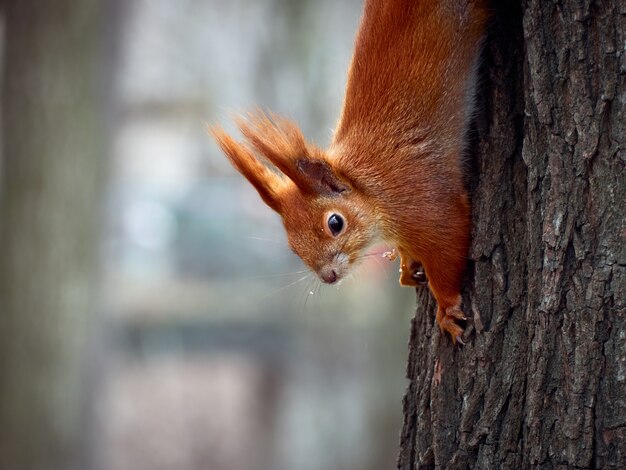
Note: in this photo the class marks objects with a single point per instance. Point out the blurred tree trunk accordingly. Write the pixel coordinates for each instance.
(541, 382)
(50, 205)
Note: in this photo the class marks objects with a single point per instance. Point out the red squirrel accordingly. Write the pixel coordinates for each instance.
(393, 171)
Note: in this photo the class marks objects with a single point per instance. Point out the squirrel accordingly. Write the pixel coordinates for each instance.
(394, 169)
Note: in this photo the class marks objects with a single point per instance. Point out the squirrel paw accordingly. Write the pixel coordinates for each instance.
(447, 322)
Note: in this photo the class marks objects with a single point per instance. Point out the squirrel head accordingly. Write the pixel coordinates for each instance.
(329, 221)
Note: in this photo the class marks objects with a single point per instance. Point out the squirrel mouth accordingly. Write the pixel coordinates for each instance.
(328, 275)
(333, 271)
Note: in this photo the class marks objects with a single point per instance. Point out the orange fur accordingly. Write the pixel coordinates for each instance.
(394, 168)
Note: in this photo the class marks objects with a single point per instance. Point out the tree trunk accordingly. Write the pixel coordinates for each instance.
(541, 382)
(50, 205)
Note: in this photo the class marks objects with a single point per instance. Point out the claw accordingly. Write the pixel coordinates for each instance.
(447, 322)
(420, 277)
(456, 313)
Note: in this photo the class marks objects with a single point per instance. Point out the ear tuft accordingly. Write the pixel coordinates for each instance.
(278, 141)
(268, 184)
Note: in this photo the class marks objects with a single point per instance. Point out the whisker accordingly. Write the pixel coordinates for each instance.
(278, 242)
(287, 286)
(376, 254)
(287, 254)
(382, 268)
(369, 255)
(349, 278)
(317, 291)
(308, 292)
(269, 276)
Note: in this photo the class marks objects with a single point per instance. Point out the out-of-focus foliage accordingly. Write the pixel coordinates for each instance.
(216, 349)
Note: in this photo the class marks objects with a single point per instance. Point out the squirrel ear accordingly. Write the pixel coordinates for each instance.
(322, 177)
(282, 143)
(269, 185)
(277, 140)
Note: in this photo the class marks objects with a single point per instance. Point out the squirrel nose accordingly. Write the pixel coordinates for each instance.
(329, 276)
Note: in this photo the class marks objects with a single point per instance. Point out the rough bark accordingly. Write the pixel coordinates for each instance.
(541, 382)
(52, 149)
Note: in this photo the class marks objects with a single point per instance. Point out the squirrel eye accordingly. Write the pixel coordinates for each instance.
(335, 224)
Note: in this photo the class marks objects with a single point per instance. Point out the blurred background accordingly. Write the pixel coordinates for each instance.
(152, 312)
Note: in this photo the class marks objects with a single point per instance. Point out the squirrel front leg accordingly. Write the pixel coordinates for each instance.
(444, 259)
(444, 279)
(445, 266)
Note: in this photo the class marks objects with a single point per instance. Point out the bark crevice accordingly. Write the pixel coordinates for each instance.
(540, 382)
